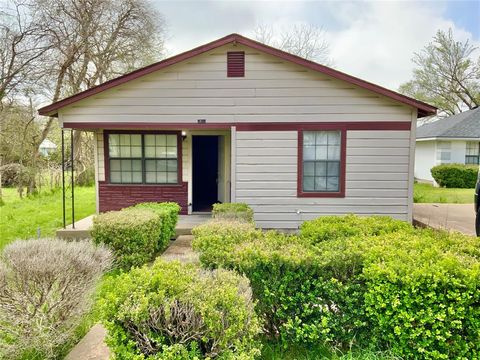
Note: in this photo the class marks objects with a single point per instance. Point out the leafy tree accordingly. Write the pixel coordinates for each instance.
(447, 75)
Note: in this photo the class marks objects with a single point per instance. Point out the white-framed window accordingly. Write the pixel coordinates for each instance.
(444, 151)
(472, 152)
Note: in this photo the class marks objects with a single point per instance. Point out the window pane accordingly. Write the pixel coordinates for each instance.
(150, 177)
(161, 140)
(126, 176)
(137, 177)
(113, 140)
(334, 138)
(309, 169)
(115, 165)
(172, 165)
(137, 165)
(172, 140)
(161, 165)
(150, 152)
(162, 177)
(308, 183)
(333, 169)
(126, 165)
(308, 138)
(125, 140)
(161, 152)
(136, 140)
(149, 140)
(125, 151)
(309, 153)
(321, 169)
(322, 138)
(332, 183)
(150, 165)
(171, 152)
(115, 177)
(136, 151)
(321, 152)
(172, 177)
(320, 183)
(334, 152)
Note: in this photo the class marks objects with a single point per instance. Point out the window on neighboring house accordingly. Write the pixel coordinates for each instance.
(472, 152)
(143, 158)
(321, 152)
(444, 154)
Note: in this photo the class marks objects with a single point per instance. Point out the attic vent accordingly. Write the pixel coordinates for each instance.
(236, 64)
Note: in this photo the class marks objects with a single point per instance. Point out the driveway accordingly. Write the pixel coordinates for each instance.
(457, 217)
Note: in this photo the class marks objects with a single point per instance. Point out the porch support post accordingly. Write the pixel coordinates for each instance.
(63, 178)
(73, 179)
(233, 164)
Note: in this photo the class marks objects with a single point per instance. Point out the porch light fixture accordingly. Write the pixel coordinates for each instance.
(184, 135)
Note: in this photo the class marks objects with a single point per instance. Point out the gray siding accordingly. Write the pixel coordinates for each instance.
(377, 177)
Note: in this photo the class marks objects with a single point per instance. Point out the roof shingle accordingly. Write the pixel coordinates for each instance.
(463, 125)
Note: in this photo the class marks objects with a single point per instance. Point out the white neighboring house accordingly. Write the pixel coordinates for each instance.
(455, 139)
(47, 147)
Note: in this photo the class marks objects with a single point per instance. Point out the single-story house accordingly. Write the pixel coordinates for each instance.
(454, 139)
(239, 121)
(47, 147)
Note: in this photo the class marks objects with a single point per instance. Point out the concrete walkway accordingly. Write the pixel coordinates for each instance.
(92, 346)
(452, 217)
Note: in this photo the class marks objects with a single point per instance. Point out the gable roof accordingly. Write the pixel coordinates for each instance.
(423, 108)
(463, 125)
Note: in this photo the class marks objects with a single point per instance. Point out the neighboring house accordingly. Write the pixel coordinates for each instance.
(455, 139)
(238, 121)
(47, 147)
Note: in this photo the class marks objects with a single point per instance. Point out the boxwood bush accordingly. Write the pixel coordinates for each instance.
(168, 217)
(337, 227)
(377, 282)
(132, 234)
(174, 311)
(455, 175)
(233, 211)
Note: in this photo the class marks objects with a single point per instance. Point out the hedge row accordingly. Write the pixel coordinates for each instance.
(233, 211)
(174, 311)
(358, 281)
(455, 175)
(138, 233)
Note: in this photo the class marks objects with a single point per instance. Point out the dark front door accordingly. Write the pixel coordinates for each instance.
(205, 172)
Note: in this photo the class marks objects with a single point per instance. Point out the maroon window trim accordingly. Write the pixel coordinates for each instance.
(235, 64)
(343, 158)
(107, 156)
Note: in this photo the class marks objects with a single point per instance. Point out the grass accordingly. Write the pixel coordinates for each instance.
(23, 218)
(426, 193)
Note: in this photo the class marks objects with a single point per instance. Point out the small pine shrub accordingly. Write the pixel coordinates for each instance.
(168, 213)
(233, 211)
(455, 175)
(175, 311)
(45, 290)
(132, 234)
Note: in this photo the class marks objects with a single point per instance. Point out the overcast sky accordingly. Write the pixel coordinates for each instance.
(374, 40)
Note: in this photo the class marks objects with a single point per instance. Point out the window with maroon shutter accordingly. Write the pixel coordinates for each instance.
(236, 64)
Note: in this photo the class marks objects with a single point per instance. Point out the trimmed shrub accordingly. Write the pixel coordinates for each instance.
(132, 234)
(374, 282)
(233, 211)
(423, 294)
(168, 212)
(216, 239)
(340, 227)
(45, 289)
(174, 311)
(455, 175)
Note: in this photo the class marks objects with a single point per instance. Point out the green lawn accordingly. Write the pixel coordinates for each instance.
(21, 218)
(425, 193)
